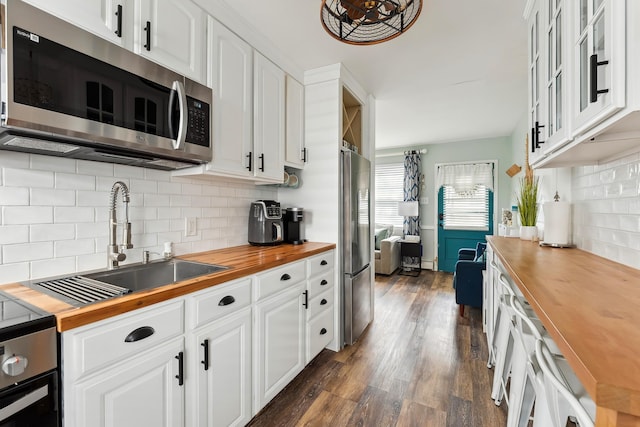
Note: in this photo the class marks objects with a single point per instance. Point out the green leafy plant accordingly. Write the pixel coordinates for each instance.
(528, 200)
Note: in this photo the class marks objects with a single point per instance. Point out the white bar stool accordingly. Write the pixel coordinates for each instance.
(502, 342)
(523, 389)
(565, 397)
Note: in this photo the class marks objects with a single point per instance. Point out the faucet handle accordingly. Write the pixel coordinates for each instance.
(126, 236)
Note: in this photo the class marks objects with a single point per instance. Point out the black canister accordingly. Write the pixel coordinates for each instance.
(293, 232)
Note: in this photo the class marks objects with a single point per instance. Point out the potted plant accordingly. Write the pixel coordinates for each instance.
(527, 201)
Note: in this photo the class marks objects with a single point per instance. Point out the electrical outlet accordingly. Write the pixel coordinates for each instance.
(190, 226)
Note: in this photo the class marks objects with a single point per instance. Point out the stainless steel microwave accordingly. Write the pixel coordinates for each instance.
(66, 92)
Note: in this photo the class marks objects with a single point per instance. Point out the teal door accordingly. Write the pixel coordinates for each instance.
(462, 223)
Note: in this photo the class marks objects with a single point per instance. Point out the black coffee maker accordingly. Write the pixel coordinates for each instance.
(293, 226)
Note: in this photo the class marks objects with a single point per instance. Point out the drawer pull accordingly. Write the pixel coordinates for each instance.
(229, 299)
(140, 334)
(285, 277)
(306, 299)
(323, 331)
(323, 262)
(205, 362)
(323, 302)
(324, 282)
(180, 375)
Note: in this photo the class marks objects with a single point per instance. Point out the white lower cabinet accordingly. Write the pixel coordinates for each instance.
(127, 370)
(211, 358)
(221, 366)
(279, 348)
(147, 390)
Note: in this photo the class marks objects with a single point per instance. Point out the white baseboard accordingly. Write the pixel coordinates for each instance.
(426, 265)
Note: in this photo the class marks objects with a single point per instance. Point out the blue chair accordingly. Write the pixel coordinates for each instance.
(467, 278)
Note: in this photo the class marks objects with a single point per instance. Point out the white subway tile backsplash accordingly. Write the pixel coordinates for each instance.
(75, 182)
(27, 215)
(55, 213)
(64, 248)
(28, 178)
(14, 234)
(16, 272)
(50, 163)
(27, 252)
(73, 214)
(52, 267)
(51, 232)
(14, 196)
(85, 167)
(52, 197)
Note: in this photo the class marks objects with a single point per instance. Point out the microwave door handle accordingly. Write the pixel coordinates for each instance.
(178, 88)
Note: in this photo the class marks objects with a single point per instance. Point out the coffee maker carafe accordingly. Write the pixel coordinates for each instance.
(265, 223)
(293, 226)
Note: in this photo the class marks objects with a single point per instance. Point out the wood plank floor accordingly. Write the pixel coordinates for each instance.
(418, 364)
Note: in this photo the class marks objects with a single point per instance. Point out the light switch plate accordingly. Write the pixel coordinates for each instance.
(190, 226)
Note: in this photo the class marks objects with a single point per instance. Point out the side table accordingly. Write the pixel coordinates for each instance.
(410, 250)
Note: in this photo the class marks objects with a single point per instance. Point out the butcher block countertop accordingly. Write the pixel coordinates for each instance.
(241, 260)
(591, 307)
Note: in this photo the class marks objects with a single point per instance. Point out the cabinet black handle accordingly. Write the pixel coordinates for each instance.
(284, 277)
(229, 299)
(261, 162)
(119, 15)
(304, 155)
(323, 302)
(323, 262)
(306, 299)
(533, 141)
(536, 135)
(140, 334)
(180, 375)
(323, 282)
(593, 65)
(147, 29)
(250, 157)
(205, 362)
(323, 331)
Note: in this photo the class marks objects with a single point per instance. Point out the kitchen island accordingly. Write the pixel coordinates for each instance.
(591, 307)
(242, 261)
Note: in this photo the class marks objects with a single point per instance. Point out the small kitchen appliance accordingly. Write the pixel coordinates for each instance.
(293, 226)
(265, 223)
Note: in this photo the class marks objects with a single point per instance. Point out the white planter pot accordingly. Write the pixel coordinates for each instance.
(528, 232)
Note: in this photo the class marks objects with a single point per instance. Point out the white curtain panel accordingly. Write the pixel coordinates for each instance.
(466, 177)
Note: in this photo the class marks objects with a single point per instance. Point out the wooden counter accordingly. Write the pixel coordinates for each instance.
(241, 260)
(591, 308)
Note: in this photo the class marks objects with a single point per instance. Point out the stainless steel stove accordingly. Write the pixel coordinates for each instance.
(28, 365)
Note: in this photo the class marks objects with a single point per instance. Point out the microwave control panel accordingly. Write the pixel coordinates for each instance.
(198, 127)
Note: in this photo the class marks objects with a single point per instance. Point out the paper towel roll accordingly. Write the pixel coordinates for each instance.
(557, 223)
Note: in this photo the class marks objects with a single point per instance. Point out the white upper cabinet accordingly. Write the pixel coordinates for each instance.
(172, 33)
(535, 67)
(558, 67)
(295, 151)
(269, 116)
(231, 76)
(598, 40)
(169, 32)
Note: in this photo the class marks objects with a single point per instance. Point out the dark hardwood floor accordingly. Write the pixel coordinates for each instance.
(418, 364)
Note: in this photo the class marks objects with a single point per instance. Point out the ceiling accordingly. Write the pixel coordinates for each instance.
(459, 73)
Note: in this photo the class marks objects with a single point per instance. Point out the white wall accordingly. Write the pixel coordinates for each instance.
(606, 209)
(54, 217)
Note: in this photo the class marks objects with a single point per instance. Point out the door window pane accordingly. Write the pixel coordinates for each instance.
(584, 83)
(466, 211)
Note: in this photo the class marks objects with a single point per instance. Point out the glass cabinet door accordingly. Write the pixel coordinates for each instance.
(600, 61)
(536, 88)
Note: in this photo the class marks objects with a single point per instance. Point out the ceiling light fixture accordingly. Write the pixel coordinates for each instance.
(362, 22)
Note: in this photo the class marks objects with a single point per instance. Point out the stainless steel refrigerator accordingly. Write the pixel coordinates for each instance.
(356, 248)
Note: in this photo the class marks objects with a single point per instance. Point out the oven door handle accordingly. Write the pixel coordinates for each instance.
(24, 402)
(177, 90)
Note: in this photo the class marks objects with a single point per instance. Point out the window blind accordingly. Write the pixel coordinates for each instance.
(389, 191)
(466, 211)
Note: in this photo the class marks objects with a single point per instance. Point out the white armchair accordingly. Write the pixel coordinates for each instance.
(387, 257)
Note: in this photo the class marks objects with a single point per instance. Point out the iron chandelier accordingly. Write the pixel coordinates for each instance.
(363, 22)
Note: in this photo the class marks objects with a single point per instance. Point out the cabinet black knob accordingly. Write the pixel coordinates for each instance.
(323, 331)
(285, 277)
(323, 262)
(229, 299)
(323, 302)
(324, 282)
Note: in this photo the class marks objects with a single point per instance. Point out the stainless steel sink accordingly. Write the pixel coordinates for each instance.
(154, 274)
(88, 288)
